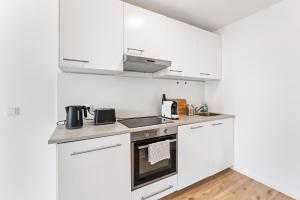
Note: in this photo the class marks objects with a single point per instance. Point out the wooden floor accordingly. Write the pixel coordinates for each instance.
(228, 185)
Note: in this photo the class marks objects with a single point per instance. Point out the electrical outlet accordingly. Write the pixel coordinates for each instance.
(13, 111)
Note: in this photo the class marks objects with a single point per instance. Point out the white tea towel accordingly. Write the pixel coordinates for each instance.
(158, 151)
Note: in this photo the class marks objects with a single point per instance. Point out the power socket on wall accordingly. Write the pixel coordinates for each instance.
(13, 111)
(182, 82)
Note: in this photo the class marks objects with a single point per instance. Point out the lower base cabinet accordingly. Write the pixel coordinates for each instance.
(156, 190)
(99, 169)
(96, 169)
(222, 146)
(194, 157)
(204, 149)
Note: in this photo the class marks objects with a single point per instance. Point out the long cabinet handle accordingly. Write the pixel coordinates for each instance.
(217, 124)
(156, 193)
(205, 74)
(132, 49)
(173, 70)
(196, 127)
(97, 149)
(76, 60)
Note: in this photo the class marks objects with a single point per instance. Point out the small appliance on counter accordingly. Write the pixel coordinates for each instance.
(103, 116)
(190, 110)
(181, 106)
(169, 109)
(74, 117)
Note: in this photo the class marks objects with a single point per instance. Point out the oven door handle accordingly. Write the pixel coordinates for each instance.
(146, 146)
(156, 193)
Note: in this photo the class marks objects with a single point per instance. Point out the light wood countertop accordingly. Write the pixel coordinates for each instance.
(91, 131)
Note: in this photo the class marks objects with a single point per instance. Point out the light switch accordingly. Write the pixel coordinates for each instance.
(13, 111)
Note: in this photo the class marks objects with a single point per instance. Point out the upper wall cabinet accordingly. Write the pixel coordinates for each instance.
(149, 34)
(209, 55)
(145, 33)
(95, 34)
(195, 53)
(91, 36)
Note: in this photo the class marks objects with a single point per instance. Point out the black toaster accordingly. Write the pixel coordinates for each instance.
(104, 116)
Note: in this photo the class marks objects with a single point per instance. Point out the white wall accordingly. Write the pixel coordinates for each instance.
(130, 96)
(28, 66)
(261, 69)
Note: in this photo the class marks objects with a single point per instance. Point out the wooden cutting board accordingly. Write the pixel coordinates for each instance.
(181, 105)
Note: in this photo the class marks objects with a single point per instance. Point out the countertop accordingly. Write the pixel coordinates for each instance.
(90, 131)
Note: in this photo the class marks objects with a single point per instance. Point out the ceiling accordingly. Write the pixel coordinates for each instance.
(207, 14)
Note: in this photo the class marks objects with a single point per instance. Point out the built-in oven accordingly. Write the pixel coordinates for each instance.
(143, 172)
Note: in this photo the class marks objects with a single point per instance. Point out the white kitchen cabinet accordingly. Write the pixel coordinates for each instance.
(91, 36)
(222, 148)
(194, 155)
(95, 169)
(204, 149)
(94, 35)
(156, 190)
(146, 33)
(209, 62)
(194, 53)
(183, 50)
(197, 55)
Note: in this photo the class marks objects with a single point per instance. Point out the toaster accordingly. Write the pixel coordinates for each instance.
(104, 116)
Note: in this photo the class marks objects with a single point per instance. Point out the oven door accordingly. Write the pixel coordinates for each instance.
(143, 172)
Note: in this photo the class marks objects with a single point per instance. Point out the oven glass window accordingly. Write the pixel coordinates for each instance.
(146, 169)
(143, 170)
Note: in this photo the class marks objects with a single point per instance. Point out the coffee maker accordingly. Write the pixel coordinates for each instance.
(169, 109)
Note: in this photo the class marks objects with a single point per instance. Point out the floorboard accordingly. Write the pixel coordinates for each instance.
(228, 185)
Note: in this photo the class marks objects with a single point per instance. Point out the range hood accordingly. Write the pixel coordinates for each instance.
(143, 64)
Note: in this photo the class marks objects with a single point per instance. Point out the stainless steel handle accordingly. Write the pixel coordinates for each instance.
(146, 146)
(173, 70)
(76, 60)
(132, 49)
(196, 127)
(217, 124)
(97, 149)
(156, 193)
(205, 74)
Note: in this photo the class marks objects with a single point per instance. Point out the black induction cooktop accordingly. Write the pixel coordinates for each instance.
(144, 121)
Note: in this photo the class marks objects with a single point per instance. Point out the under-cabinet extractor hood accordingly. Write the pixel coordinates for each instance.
(145, 65)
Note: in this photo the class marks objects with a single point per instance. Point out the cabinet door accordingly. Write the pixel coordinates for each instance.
(223, 144)
(146, 33)
(156, 190)
(194, 154)
(91, 34)
(209, 55)
(95, 169)
(184, 47)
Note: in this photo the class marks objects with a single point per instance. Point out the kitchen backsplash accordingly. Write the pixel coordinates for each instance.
(129, 96)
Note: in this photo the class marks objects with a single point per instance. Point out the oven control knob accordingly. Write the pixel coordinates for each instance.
(166, 131)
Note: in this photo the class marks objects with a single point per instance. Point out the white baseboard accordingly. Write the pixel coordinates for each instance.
(256, 178)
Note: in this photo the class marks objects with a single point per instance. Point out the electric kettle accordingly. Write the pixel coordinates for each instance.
(74, 117)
